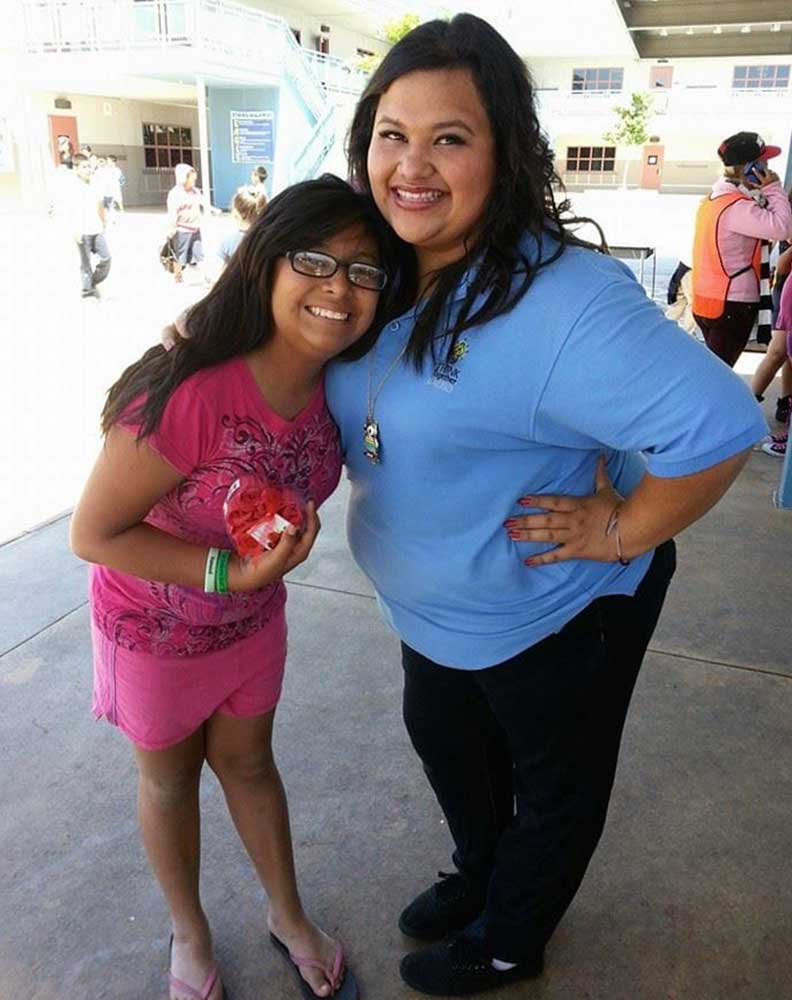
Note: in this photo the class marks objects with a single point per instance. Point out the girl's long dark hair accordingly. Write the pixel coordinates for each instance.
(522, 200)
(235, 317)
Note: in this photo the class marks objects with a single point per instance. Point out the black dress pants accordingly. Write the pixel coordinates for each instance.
(522, 756)
(728, 336)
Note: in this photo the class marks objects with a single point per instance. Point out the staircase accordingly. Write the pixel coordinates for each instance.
(209, 36)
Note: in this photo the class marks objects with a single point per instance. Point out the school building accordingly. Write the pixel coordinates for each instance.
(228, 85)
(709, 69)
(220, 84)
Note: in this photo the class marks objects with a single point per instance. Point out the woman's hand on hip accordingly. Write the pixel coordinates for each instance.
(577, 525)
(292, 549)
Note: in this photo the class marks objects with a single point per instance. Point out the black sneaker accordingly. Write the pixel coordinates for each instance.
(460, 967)
(448, 906)
(782, 409)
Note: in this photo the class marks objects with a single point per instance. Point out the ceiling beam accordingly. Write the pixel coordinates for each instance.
(689, 13)
(676, 46)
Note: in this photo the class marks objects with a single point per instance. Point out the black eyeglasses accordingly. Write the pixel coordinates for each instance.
(315, 264)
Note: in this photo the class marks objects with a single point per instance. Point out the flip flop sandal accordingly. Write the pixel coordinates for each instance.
(190, 991)
(346, 990)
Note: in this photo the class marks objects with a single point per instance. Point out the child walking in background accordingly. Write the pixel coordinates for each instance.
(86, 213)
(245, 209)
(187, 664)
(184, 220)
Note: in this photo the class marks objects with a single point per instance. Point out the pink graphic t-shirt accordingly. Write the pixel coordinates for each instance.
(216, 426)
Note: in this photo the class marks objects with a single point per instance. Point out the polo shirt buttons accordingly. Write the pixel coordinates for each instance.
(394, 326)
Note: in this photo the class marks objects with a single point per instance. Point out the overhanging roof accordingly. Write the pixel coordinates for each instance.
(651, 29)
(543, 29)
(674, 28)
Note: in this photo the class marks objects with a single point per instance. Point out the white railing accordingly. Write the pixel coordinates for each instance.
(678, 99)
(337, 74)
(219, 31)
(724, 99)
(107, 25)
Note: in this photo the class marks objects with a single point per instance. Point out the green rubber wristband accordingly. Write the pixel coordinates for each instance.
(221, 580)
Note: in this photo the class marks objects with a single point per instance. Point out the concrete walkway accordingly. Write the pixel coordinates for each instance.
(686, 899)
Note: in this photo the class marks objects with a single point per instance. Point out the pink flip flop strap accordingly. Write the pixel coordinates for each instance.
(312, 963)
(208, 986)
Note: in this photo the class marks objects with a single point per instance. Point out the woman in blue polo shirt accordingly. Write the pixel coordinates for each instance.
(525, 589)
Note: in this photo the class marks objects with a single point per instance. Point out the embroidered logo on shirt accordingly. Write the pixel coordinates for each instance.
(446, 373)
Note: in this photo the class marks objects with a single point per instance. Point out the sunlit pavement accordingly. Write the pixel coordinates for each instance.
(60, 353)
(687, 897)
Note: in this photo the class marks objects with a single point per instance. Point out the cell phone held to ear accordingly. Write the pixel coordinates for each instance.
(755, 171)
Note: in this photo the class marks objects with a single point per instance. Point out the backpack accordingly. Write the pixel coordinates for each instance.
(167, 255)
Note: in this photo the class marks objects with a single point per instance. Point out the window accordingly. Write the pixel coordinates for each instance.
(760, 77)
(609, 79)
(591, 159)
(365, 53)
(166, 145)
(297, 35)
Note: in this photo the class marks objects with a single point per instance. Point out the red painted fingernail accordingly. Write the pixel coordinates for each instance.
(529, 562)
(514, 535)
(526, 501)
(511, 523)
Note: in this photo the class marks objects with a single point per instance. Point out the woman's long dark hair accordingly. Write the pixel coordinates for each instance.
(236, 317)
(522, 200)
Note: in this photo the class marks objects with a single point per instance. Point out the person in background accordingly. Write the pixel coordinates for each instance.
(92, 158)
(184, 205)
(258, 176)
(245, 208)
(112, 184)
(86, 215)
(63, 180)
(776, 356)
(680, 299)
(746, 210)
(776, 444)
(65, 151)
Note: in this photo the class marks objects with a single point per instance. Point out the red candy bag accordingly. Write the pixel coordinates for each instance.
(257, 513)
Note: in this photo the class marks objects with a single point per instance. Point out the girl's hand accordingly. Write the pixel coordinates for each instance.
(576, 524)
(245, 575)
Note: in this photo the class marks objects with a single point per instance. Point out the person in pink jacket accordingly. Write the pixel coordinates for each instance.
(747, 207)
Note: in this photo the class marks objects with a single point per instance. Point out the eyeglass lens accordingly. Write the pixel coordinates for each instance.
(323, 265)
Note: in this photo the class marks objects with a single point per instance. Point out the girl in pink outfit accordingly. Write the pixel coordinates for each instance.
(777, 443)
(191, 676)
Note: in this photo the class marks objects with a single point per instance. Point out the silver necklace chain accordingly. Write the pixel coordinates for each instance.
(373, 396)
(371, 434)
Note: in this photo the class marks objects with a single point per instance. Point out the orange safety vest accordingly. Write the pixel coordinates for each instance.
(711, 280)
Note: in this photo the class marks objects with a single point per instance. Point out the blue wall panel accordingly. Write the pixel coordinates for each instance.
(221, 101)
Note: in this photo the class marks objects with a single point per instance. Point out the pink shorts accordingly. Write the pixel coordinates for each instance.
(158, 701)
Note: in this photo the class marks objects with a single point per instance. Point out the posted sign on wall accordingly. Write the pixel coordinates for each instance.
(252, 136)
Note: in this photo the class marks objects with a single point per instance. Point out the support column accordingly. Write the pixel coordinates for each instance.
(784, 492)
(203, 141)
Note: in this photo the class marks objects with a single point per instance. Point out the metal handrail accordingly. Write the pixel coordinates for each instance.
(337, 74)
(317, 147)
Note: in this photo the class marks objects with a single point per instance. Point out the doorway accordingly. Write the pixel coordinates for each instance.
(62, 127)
(661, 77)
(652, 170)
